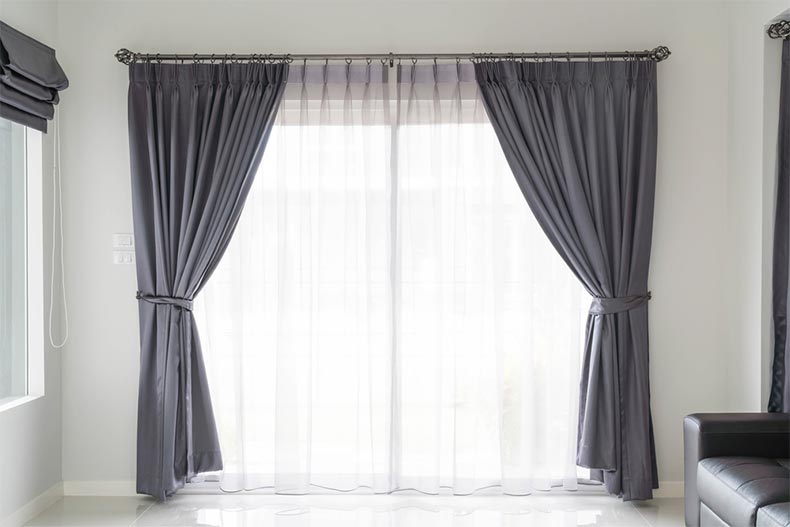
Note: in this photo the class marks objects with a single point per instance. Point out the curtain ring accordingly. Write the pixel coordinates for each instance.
(414, 61)
(348, 61)
(368, 60)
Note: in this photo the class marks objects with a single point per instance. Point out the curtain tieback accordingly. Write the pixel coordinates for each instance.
(609, 306)
(183, 303)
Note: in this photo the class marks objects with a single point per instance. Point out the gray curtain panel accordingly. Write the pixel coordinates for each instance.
(779, 400)
(580, 138)
(197, 133)
(30, 78)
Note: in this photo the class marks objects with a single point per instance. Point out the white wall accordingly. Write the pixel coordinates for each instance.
(694, 357)
(30, 434)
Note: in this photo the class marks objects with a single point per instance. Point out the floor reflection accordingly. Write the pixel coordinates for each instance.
(551, 509)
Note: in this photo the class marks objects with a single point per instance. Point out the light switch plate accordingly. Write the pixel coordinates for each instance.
(122, 241)
(123, 257)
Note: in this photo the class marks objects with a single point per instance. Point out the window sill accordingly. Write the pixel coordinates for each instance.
(9, 403)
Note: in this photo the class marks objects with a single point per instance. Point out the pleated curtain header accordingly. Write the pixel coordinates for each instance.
(30, 79)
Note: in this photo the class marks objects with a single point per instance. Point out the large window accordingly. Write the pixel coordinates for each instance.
(13, 266)
(389, 315)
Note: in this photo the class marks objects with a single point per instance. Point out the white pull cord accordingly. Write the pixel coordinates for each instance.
(57, 214)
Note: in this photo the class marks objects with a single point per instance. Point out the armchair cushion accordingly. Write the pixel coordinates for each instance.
(736, 487)
(776, 515)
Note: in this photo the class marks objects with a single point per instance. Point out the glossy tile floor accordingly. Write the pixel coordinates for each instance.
(362, 511)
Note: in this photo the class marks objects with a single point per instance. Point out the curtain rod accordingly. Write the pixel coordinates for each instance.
(128, 57)
(780, 29)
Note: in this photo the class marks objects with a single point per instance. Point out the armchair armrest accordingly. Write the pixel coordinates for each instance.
(729, 434)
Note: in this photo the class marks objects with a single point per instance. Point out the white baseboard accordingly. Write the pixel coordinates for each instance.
(100, 488)
(669, 489)
(34, 507)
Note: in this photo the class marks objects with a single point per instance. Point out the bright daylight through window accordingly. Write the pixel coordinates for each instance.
(389, 314)
(13, 267)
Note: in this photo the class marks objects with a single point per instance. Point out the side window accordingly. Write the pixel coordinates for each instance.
(13, 261)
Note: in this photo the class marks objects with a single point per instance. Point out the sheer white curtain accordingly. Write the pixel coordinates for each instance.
(389, 314)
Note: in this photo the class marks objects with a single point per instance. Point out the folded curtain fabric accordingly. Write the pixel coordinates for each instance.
(30, 78)
(197, 133)
(779, 400)
(580, 138)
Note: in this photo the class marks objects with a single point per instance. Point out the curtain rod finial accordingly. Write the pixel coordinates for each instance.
(124, 56)
(660, 53)
(780, 29)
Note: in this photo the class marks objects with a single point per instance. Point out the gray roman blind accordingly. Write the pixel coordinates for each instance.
(30, 79)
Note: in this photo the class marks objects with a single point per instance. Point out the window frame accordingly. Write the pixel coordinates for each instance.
(34, 276)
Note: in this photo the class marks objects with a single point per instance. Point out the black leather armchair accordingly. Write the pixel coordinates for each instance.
(737, 472)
